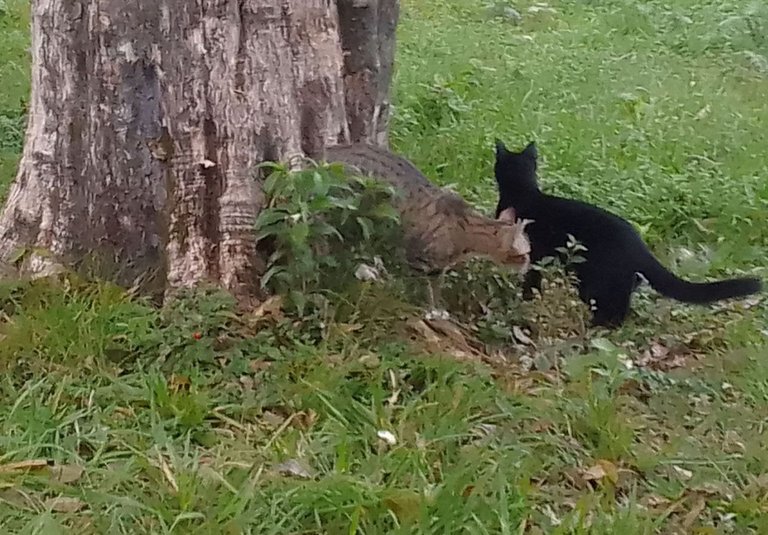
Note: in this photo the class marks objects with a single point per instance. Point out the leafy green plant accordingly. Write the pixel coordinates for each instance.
(318, 224)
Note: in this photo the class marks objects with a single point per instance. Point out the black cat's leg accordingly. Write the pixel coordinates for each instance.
(612, 300)
(531, 282)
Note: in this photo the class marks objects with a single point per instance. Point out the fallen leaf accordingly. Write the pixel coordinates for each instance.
(485, 429)
(166, 470)
(751, 302)
(437, 314)
(699, 503)
(654, 500)
(732, 442)
(271, 307)
(550, 513)
(391, 400)
(366, 273)
(541, 8)
(659, 351)
(387, 436)
(305, 419)
(520, 336)
(369, 361)
(67, 473)
(124, 412)
(293, 468)
(422, 329)
(272, 419)
(247, 382)
(683, 473)
(348, 328)
(32, 464)
(602, 470)
(526, 363)
(258, 365)
(541, 426)
(718, 490)
(64, 504)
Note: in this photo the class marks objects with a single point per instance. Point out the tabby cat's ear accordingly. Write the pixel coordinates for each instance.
(508, 215)
(501, 149)
(530, 150)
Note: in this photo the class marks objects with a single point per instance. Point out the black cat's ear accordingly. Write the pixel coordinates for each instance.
(501, 149)
(530, 150)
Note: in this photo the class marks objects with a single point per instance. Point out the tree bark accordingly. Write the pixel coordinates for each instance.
(147, 119)
(368, 39)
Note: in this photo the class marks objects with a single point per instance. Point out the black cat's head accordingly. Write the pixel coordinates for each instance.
(516, 171)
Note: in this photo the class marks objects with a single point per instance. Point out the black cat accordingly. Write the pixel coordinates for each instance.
(615, 251)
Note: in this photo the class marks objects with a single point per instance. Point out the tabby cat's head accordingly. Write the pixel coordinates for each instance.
(516, 171)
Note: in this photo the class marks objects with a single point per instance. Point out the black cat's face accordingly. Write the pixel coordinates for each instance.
(516, 170)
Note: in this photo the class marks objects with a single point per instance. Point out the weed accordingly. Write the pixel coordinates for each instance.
(320, 223)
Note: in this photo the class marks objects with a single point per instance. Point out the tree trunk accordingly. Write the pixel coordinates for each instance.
(147, 118)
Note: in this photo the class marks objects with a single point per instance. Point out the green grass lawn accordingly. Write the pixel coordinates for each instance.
(192, 419)
(14, 85)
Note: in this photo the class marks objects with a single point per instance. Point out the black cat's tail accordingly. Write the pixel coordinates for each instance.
(670, 285)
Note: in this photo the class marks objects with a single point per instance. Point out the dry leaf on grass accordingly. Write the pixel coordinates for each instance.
(165, 468)
(64, 504)
(28, 465)
(294, 468)
(601, 470)
(273, 306)
(521, 337)
(246, 382)
(654, 501)
(387, 437)
(699, 504)
(369, 361)
(366, 273)
(305, 419)
(259, 365)
(67, 473)
(665, 356)
(682, 473)
(442, 336)
(272, 419)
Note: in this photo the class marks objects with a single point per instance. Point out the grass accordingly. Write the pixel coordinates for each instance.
(14, 92)
(192, 419)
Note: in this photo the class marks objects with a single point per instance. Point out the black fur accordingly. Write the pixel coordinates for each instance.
(615, 251)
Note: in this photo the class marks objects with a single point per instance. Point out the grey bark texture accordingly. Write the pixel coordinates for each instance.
(146, 121)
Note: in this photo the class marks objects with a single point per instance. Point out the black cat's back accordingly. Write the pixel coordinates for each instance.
(615, 251)
(554, 218)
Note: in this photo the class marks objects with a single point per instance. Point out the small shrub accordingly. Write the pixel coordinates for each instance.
(319, 223)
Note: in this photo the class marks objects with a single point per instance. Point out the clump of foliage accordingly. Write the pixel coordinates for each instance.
(319, 224)
(489, 297)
